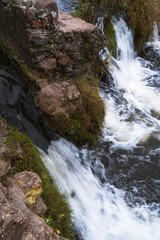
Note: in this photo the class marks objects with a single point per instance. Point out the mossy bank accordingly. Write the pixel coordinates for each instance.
(59, 214)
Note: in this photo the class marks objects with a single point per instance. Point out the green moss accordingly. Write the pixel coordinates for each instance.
(58, 207)
(6, 50)
(110, 35)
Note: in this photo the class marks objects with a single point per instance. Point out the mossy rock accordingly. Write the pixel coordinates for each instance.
(59, 211)
(85, 124)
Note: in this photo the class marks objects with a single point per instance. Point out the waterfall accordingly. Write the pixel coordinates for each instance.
(134, 102)
(101, 210)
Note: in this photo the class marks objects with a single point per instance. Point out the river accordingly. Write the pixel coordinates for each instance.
(114, 188)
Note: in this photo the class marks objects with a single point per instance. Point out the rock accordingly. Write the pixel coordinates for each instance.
(45, 7)
(63, 60)
(72, 92)
(31, 185)
(48, 64)
(30, 14)
(13, 220)
(52, 98)
(4, 167)
(39, 207)
(17, 220)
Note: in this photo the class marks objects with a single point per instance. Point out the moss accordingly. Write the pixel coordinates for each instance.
(110, 35)
(84, 125)
(58, 207)
(6, 50)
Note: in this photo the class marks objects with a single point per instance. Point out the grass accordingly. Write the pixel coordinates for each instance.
(110, 35)
(59, 214)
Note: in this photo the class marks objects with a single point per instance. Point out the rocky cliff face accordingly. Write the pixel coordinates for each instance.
(20, 198)
(53, 49)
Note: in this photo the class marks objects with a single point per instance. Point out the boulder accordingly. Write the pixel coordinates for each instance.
(31, 185)
(17, 220)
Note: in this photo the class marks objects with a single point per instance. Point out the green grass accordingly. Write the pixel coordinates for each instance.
(110, 35)
(59, 214)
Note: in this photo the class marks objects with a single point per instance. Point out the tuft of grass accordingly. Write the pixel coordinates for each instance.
(110, 35)
(59, 214)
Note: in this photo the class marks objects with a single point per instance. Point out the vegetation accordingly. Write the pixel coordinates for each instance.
(6, 50)
(140, 14)
(85, 124)
(59, 215)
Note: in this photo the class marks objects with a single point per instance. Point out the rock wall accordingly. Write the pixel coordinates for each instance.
(20, 198)
(52, 48)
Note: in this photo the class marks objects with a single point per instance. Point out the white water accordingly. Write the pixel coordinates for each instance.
(138, 100)
(100, 210)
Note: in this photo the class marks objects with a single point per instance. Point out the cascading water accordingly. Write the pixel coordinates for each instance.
(114, 189)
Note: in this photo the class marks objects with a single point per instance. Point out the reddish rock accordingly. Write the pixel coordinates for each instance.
(63, 60)
(48, 64)
(37, 24)
(45, 22)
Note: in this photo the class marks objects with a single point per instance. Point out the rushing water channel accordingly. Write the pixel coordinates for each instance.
(113, 189)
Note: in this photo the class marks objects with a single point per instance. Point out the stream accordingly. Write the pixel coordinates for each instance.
(114, 188)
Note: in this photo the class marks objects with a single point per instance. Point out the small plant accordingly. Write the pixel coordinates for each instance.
(6, 50)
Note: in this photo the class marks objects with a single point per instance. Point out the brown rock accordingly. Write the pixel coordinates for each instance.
(30, 183)
(30, 14)
(63, 60)
(52, 98)
(43, 7)
(48, 64)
